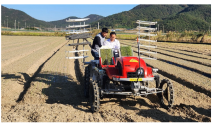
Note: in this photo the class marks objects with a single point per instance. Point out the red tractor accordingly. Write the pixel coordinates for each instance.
(123, 75)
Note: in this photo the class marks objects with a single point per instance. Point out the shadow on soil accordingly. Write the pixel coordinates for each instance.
(179, 113)
(62, 89)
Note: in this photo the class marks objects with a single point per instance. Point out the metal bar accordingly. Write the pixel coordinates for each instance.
(77, 57)
(147, 40)
(76, 51)
(133, 79)
(148, 46)
(77, 20)
(146, 22)
(119, 93)
(75, 44)
(77, 26)
(146, 28)
(146, 34)
(77, 32)
(151, 92)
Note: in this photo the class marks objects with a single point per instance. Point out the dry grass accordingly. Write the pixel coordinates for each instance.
(33, 33)
(186, 36)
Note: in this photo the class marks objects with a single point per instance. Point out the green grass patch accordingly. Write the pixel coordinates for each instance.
(106, 56)
(126, 51)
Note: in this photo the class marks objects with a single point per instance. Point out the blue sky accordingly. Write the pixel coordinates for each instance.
(53, 12)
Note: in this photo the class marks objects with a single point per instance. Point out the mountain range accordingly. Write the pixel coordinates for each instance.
(23, 18)
(169, 17)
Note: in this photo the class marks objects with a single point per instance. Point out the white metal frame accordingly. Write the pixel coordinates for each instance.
(77, 32)
(149, 29)
(75, 51)
(77, 26)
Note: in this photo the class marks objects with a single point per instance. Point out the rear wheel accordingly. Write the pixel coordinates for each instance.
(87, 81)
(166, 97)
(94, 96)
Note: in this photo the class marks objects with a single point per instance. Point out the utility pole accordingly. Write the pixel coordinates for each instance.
(15, 25)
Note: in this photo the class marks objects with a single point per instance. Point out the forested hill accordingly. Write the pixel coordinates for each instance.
(172, 17)
(22, 17)
(11, 15)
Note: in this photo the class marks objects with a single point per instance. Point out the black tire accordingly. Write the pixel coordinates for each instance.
(166, 97)
(87, 81)
(94, 97)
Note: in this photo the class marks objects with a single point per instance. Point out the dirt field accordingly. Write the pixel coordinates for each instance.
(38, 84)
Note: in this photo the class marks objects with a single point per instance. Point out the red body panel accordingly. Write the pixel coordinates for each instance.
(128, 64)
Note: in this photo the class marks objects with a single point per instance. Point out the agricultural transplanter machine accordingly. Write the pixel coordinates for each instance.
(125, 75)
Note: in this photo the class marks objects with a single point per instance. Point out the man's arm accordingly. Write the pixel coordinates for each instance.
(97, 41)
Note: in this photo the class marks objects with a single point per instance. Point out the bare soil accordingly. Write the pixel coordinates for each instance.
(41, 85)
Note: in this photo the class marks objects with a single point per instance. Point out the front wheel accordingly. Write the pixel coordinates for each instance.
(94, 96)
(166, 97)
